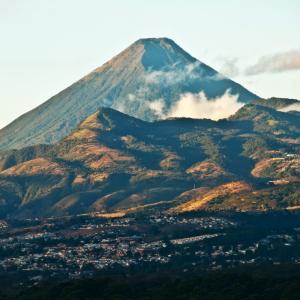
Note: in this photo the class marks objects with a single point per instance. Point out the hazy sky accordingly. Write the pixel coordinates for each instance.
(45, 45)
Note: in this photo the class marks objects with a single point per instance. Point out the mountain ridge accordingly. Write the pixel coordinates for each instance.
(115, 163)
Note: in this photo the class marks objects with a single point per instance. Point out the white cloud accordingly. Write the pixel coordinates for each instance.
(191, 105)
(292, 107)
(275, 63)
(157, 106)
(199, 106)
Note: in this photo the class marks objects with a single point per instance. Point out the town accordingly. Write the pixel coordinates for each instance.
(82, 246)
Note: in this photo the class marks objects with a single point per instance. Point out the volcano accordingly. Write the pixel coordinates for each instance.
(142, 81)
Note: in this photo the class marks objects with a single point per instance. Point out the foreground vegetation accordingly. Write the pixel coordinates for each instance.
(271, 283)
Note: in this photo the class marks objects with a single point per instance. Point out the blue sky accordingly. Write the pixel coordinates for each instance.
(47, 45)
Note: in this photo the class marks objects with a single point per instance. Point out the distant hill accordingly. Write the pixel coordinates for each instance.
(276, 103)
(145, 78)
(115, 163)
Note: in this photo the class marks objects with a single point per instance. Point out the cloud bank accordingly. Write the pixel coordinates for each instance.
(292, 107)
(199, 106)
(275, 63)
(196, 106)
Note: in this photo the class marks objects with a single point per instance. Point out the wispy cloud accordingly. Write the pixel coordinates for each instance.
(279, 62)
(174, 75)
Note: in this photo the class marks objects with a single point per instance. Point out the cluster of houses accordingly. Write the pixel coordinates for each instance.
(82, 249)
